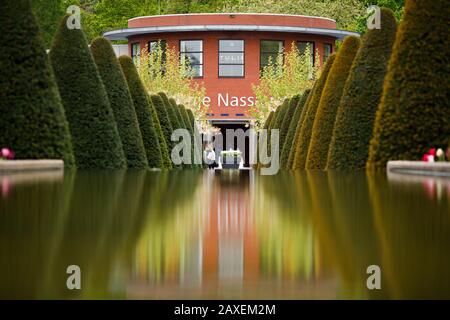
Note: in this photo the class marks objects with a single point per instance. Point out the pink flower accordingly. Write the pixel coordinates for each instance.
(7, 154)
(432, 152)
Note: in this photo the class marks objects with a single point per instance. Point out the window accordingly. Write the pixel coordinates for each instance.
(269, 50)
(135, 52)
(327, 51)
(302, 45)
(153, 46)
(191, 52)
(231, 58)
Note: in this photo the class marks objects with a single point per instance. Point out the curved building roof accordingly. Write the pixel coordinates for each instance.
(204, 22)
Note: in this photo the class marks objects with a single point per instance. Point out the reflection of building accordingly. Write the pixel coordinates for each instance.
(230, 244)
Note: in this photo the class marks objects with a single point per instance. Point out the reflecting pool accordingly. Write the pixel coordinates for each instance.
(224, 234)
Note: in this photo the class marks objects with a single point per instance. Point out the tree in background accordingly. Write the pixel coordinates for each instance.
(329, 101)
(142, 106)
(349, 147)
(304, 128)
(95, 138)
(290, 73)
(121, 103)
(99, 16)
(293, 122)
(414, 113)
(32, 121)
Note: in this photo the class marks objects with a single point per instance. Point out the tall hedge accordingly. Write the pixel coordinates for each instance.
(96, 140)
(305, 130)
(414, 113)
(297, 126)
(349, 147)
(143, 111)
(329, 102)
(288, 115)
(164, 121)
(198, 149)
(182, 123)
(121, 104)
(292, 128)
(173, 118)
(32, 119)
(165, 157)
(190, 128)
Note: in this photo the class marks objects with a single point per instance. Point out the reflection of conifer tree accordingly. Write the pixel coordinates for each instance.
(414, 234)
(30, 222)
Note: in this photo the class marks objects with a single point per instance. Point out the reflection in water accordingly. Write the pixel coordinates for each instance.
(228, 234)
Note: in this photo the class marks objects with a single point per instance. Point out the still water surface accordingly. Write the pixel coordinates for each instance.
(194, 234)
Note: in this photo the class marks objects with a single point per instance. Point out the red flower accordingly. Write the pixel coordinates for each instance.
(432, 152)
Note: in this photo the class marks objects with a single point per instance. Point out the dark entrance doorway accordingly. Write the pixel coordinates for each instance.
(233, 143)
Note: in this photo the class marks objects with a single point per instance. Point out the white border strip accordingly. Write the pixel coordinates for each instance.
(232, 14)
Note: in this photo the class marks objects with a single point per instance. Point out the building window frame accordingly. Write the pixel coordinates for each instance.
(135, 56)
(201, 52)
(325, 56)
(231, 64)
(261, 65)
(313, 49)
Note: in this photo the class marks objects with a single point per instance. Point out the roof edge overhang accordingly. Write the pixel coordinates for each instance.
(232, 14)
(124, 34)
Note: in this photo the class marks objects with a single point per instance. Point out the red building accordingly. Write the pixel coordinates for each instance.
(228, 50)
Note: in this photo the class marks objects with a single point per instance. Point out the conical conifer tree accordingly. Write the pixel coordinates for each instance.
(414, 113)
(143, 111)
(304, 130)
(349, 148)
(166, 162)
(326, 112)
(297, 127)
(96, 140)
(121, 103)
(289, 140)
(32, 119)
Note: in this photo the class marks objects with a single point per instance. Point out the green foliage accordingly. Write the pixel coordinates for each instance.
(292, 120)
(328, 105)
(349, 147)
(189, 126)
(96, 140)
(99, 16)
(305, 126)
(180, 119)
(414, 113)
(173, 118)
(121, 104)
(48, 14)
(288, 115)
(198, 147)
(300, 116)
(163, 117)
(32, 121)
(290, 73)
(165, 158)
(395, 5)
(143, 112)
(162, 70)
